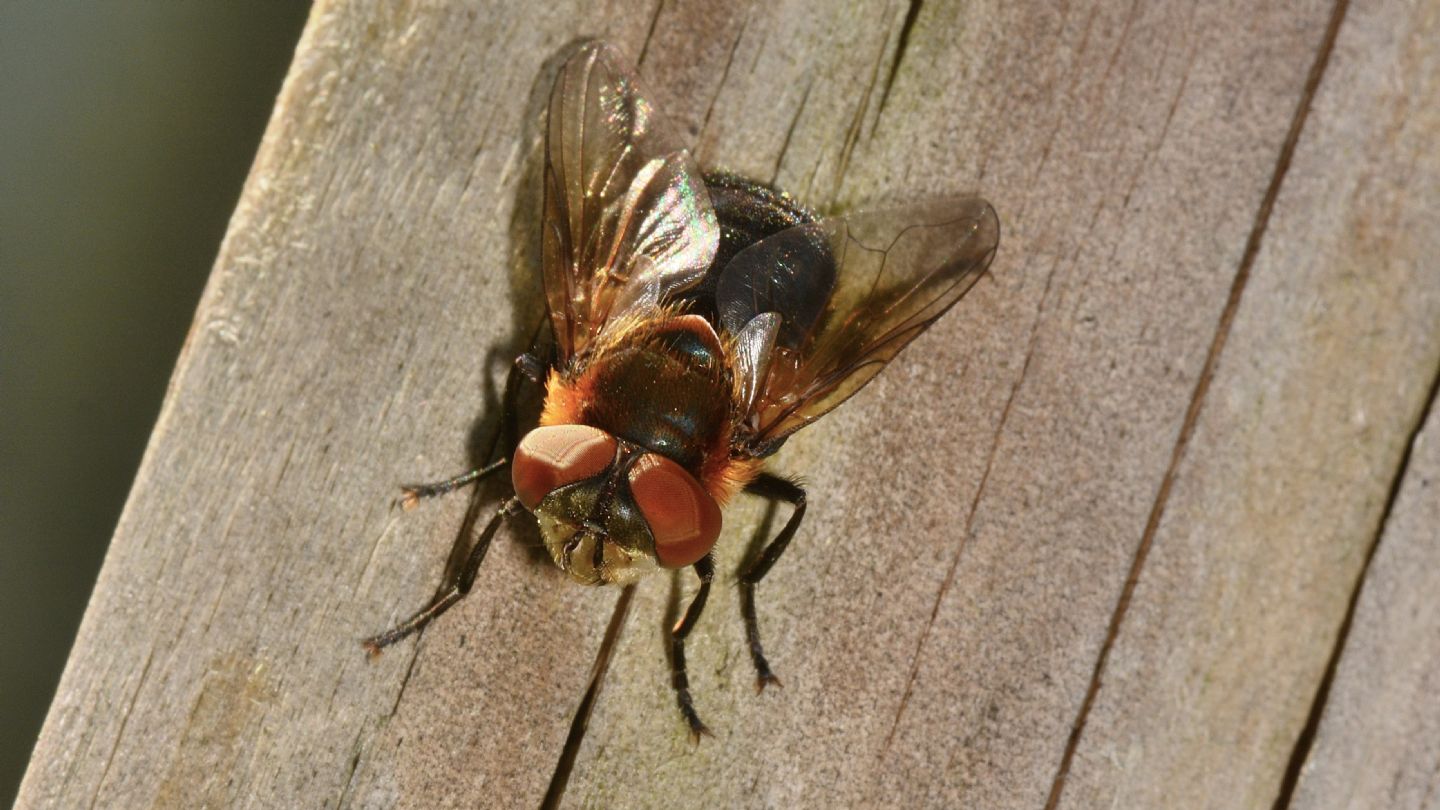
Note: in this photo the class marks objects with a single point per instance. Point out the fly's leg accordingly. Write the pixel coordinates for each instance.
(452, 594)
(526, 366)
(705, 568)
(412, 494)
(774, 488)
(530, 368)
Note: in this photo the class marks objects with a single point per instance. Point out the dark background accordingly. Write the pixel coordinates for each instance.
(126, 131)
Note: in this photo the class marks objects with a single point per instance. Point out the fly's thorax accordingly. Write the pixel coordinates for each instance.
(609, 510)
(664, 385)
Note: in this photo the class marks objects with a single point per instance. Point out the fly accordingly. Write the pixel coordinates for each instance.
(699, 320)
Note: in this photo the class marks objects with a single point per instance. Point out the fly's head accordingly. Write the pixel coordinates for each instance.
(609, 511)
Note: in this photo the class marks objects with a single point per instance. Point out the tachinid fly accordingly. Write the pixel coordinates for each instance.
(699, 320)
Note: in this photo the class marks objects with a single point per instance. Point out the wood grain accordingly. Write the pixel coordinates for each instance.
(1324, 377)
(1132, 479)
(1379, 738)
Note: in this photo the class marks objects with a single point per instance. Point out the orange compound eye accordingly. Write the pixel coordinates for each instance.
(683, 518)
(551, 457)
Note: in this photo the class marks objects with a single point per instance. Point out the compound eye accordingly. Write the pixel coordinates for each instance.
(551, 457)
(683, 518)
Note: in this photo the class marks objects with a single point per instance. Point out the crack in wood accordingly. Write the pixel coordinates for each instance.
(857, 123)
(1120, 44)
(900, 47)
(1197, 398)
(124, 720)
(1164, 128)
(650, 33)
(974, 507)
(349, 782)
(789, 133)
(405, 681)
(724, 77)
(581, 722)
(1305, 741)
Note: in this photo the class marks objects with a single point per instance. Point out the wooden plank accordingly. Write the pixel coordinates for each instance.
(1278, 500)
(344, 345)
(974, 513)
(1379, 740)
(974, 517)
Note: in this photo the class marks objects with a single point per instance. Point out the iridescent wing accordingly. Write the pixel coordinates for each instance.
(850, 293)
(628, 221)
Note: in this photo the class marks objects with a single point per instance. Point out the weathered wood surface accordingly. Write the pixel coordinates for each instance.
(1131, 483)
(1323, 378)
(1379, 737)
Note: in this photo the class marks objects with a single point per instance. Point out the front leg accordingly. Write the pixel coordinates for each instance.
(774, 488)
(452, 594)
(705, 568)
(412, 494)
(526, 367)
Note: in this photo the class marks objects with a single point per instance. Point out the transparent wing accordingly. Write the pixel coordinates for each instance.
(627, 217)
(851, 293)
(754, 344)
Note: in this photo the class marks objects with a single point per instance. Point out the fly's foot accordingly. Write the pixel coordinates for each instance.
(412, 494)
(375, 645)
(409, 498)
(698, 728)
(764, 677)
